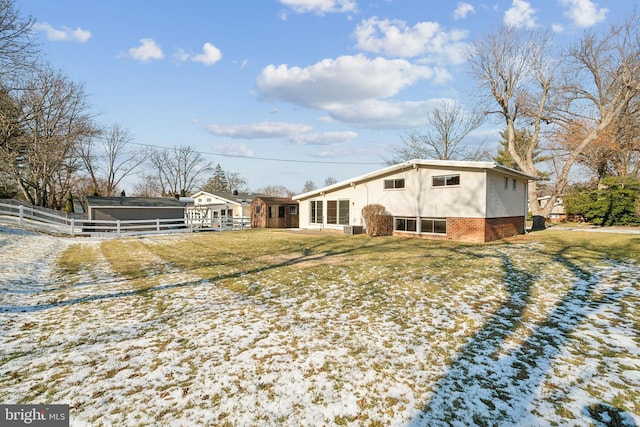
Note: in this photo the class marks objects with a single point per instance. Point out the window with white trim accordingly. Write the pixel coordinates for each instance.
(343, 212)
(315, 212)
(405, 224)
(433, 225)
(446, 180)
(392, 184)
(338, 212)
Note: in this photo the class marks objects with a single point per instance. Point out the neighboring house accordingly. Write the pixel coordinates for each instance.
(557, 213)
(442, 199)
(134, 208)
(219, 209)
(274, 212)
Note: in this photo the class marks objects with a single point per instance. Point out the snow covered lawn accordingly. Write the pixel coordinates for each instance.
(275, 328)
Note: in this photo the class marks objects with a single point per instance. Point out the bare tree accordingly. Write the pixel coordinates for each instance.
(109, 158)
(18, 49)
(308, 186)
(52, 118)
(147, 186)
(179, 170)
(448, 126)
(276, 191)
(329, 181)
(523, 78)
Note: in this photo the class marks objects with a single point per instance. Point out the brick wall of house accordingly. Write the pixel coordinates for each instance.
(484, 230)
(467, 229)
(500, 228)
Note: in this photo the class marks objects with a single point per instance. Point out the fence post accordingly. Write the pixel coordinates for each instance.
(157, 224)
(73, 229)
(118, 227)
(21, 215)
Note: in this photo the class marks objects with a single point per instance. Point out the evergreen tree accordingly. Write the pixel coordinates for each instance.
(218, 181)
(68, 207)
(522, 141)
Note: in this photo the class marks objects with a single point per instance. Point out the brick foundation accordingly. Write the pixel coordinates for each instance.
(484, 229)
(478, 230)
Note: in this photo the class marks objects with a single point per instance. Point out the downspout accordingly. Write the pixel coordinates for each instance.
(526, 204)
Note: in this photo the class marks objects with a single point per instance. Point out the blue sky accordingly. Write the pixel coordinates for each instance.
(285, 91)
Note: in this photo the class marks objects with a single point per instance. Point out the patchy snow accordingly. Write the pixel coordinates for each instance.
(192, 352)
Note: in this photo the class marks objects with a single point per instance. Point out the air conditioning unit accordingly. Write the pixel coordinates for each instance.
(353, 229)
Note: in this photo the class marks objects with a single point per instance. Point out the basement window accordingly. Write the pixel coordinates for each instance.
(405, 224)
(433, 225)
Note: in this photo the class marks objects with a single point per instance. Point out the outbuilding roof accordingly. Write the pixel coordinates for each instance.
(130, 202)
(413, 164)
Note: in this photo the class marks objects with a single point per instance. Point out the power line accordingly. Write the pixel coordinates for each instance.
(270, 159)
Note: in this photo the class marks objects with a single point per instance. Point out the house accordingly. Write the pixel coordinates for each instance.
(134, 208)
(221, 209)
(557, 213)
(440, 199)
(274, 212)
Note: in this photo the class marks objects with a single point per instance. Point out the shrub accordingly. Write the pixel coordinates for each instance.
(377, 220)
(613, 203)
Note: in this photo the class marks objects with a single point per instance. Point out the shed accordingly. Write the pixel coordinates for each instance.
(274, 212)
(134, 208)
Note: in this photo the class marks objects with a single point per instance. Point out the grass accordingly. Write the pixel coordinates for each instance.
(251, 309)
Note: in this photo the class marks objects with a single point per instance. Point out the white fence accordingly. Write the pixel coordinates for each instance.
(55, 221)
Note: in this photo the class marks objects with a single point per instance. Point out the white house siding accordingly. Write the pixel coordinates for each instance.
(503, 200)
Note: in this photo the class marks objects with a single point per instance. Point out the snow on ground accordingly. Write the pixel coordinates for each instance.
(191, 352)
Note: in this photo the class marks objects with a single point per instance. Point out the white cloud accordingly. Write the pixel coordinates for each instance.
(239, 149)
(521, 14)
(463, 10)
(382, 114)
(345, 80)
(319, 7)
(294, 132)
(324, 138)
(396, 38)
(584, 13)
(260, 130)
(147, 51)
(65, 34)
(209, 56)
